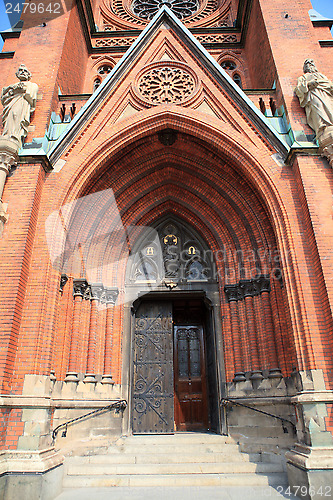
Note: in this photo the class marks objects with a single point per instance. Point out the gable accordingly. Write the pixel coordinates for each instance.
(168, 66)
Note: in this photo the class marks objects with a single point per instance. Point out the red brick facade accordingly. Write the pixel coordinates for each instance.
(257, 215)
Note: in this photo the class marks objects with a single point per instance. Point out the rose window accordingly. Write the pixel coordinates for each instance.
(166, 85)
(146, 9)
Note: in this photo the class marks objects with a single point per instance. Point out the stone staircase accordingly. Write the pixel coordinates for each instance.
(183, 459)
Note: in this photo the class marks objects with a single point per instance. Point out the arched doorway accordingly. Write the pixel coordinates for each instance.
(198, 187)
(174, 361)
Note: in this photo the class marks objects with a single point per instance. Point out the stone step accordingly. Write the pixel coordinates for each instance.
(126, 458)
(153, 448)
(177, 468)
(178, 438)
(190, 459)
(148, 480)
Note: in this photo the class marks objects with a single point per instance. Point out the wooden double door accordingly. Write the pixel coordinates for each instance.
(169, 369)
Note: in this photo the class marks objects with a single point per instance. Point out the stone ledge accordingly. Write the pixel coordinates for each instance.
(262, 400)
(18, 461)
(47, 402)
(313, 397)
(62, 396)
(311, 458)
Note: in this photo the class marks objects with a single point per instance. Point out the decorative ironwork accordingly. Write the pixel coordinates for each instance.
(118, 406)
(153, 369)
(226, 402)
(166, 85)
(146, 9)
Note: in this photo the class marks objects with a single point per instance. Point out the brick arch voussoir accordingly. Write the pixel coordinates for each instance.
(246, 158)
(182, 212)
(144, 180)
(194, 213)
(215, 172)
(250, 161)
(195, 200)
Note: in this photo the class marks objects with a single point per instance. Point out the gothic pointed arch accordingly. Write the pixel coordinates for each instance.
(174, 252)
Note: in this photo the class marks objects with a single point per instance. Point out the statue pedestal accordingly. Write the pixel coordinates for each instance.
(8, 158)
(326, 144)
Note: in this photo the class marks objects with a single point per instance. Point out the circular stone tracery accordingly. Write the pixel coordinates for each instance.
(166, 85)
(146, 9)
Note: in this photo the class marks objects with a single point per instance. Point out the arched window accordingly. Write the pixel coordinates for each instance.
(104, 70)
(237, 79)
(228, 65)
(173, 253)
(97, 83)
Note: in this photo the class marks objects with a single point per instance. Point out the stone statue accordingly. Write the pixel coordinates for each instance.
(19, 101)
(315, 93)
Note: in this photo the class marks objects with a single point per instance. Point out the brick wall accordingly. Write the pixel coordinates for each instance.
(219, 177)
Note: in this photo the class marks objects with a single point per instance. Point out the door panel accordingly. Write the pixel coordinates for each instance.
(153, 388)
(190, 384)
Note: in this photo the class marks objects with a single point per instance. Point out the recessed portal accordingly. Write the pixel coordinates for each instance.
(170, 366)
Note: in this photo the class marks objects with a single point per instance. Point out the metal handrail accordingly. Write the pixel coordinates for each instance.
(226, 401)
(118, 406)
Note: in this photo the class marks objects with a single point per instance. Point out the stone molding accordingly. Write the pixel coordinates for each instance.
(45, 402)
(79, 287)
(94, 291)
(314, 397)
(262, 400)
(111, 295)
(308, 457)
(63, 281)
(247, 288)
(326, 145)
(8, 156)
(29, 461)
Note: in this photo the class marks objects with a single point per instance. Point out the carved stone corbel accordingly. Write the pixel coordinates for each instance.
(8, 159)
(111, 295)
(96, 291)
(326, 145)
(80, 286)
